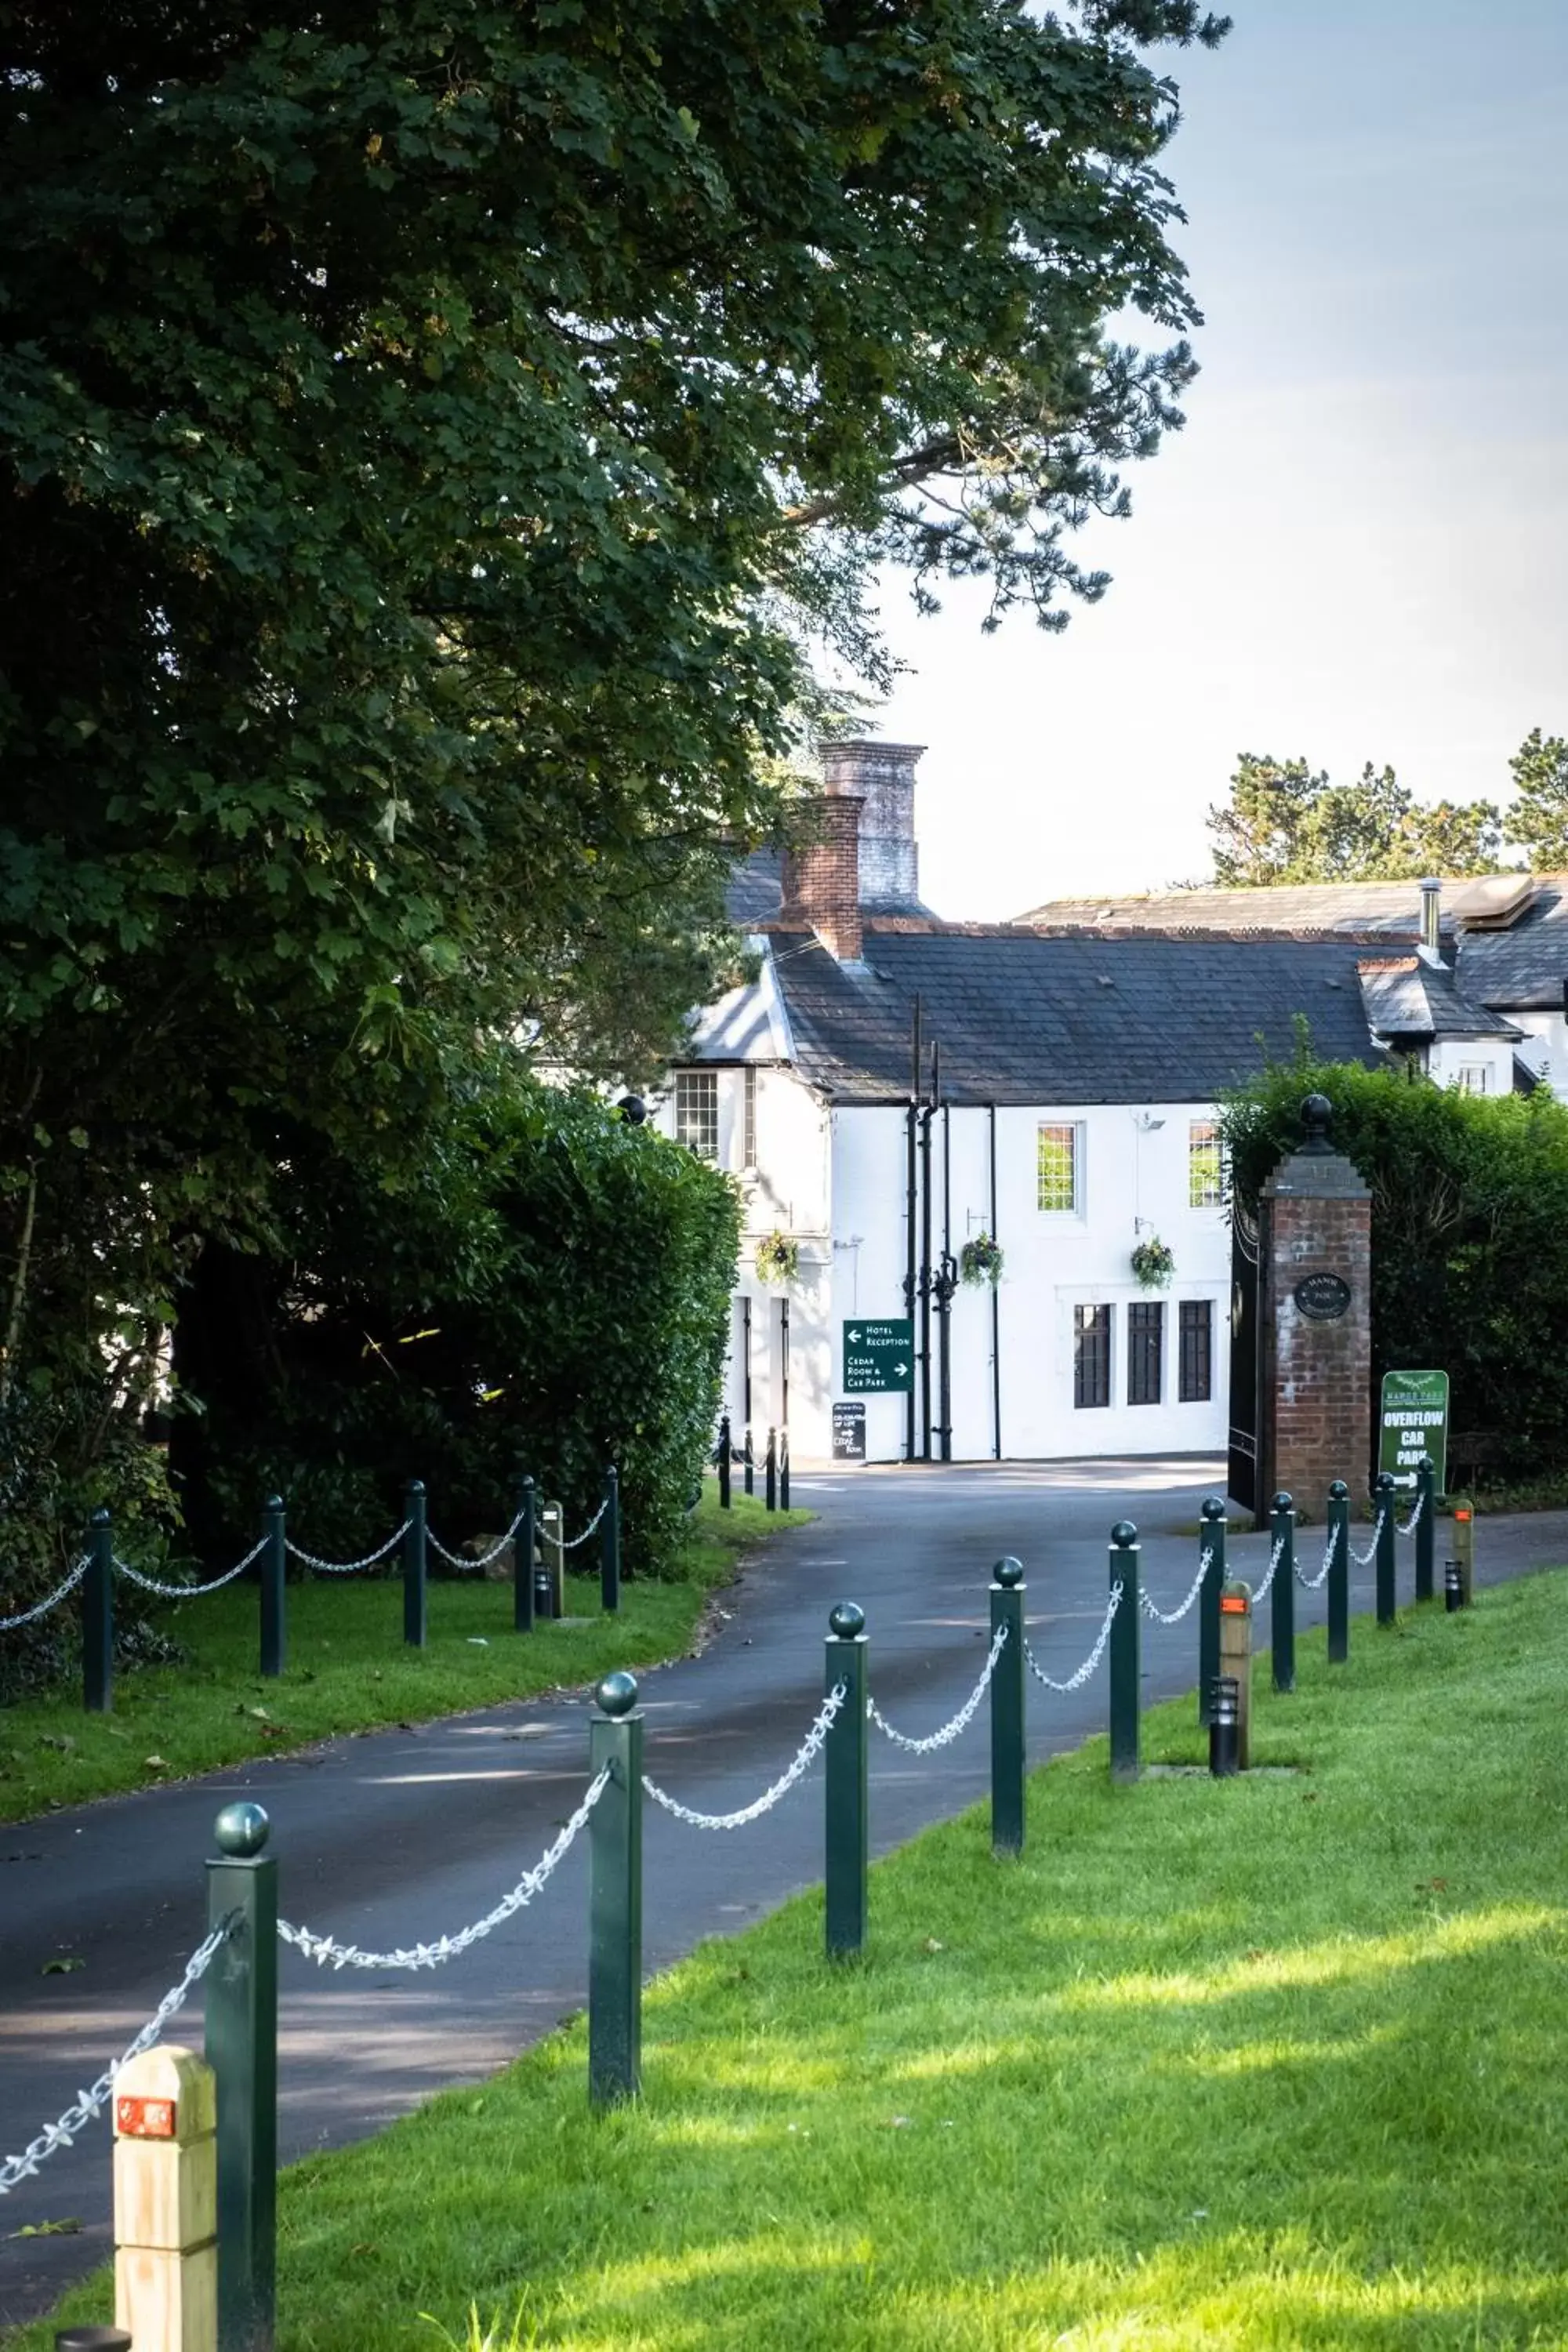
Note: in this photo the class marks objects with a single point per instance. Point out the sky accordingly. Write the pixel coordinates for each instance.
(1357, 549)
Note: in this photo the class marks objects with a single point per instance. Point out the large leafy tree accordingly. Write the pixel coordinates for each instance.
(426, 430)
(1286, 821)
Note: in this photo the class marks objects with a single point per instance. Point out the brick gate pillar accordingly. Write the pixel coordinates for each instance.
(1314, 1402)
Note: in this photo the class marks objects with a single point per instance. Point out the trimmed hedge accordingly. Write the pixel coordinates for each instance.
(1470, 1236)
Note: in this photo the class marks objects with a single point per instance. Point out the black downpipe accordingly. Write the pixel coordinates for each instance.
(927, 1115)
(911, 1117)
(995, 1317)
(946, 1284)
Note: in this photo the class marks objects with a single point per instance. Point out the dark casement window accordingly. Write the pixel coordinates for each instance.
(1196, 1317)
(1091, 1356)
(1145, 1350)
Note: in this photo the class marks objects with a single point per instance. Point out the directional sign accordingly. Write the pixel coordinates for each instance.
(879, 1357)
(1415, 1421)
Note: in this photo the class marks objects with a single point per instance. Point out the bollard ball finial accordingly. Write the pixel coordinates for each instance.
(1338, 1491)
(241, 1830)
(1383, 1482)
(1214, 1506)
(1284, 1502)
(1009, 1573)
(846, 1620)
(618, 1694)
(273, 1503)
(1318, 1119)
(1123, 1535)
(1425, 1463)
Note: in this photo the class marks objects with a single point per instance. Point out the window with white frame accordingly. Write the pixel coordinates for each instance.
(1058, 1169)
(1206, 1172)
(697, 1111)
(1475, 1079)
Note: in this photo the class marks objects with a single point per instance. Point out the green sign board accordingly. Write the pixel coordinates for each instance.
(879, 1357)
(1413, 1422)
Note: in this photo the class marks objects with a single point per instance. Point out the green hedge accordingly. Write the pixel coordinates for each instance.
(551, 1292)
(1470, 1236)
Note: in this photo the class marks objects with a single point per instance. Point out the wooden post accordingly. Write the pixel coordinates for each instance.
(1235, 1660)
(165, 2201)
(553, 1554)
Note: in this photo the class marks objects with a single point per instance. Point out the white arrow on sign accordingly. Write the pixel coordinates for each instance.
(900, 1368)
(854, 1336)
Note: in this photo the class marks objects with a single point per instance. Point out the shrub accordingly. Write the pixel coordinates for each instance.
(1470, 1235)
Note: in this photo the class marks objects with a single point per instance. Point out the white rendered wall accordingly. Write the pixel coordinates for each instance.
(1449, 1056)
(1545, 1047)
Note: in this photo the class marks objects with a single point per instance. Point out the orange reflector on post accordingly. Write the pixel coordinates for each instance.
(1461, 1515)
(1231, 1604)
(144, 2118)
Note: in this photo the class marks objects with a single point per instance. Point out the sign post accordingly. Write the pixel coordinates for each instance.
(1413, 1421)
(879, 1358)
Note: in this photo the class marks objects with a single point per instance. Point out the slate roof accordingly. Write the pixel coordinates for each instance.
(1407, 997)
(1026, 1018)
(755, 890)
(1520, 962)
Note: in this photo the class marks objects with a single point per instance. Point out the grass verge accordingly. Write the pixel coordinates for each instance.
(1274, 2063)
(348, 1669)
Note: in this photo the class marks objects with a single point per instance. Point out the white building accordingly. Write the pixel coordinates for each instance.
(1069, 1116)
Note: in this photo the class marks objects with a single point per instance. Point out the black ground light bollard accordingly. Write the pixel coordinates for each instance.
(1465, 1547)
(615, 1923)
(1007, 1709)
(724, 1463)
(1224, 1728)
(748, 1464)
(845, 1784)
(98, 1616)
(1453, 1586)
(1426, 1525)
(415, 1615)
(771, 1472)
(242, 2051)
(1384, 1503)
(784, 1469)
(610, 1543)
(274, 1579)
(1125, 1651)
(523, 1557)
(1338, 1540)
(1282, 1594)
(1211, 1539)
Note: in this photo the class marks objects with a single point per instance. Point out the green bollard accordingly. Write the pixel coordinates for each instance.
(845, 1785)
(1339, 1539)
(242, 2051)
(523, 1557)
(415, 1615)
(615, 1928)
(724, 1463)
(1425, 1526)
(1007, 1709)
(784, 1469)
(1125, 1654)
(1385, 1504)
(1282, 1594)
(610, 1543)
(274, 1570)
(771, 1472)
(1211, 1539)
(97, 1617)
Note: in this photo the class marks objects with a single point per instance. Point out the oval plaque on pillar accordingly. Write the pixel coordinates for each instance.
(1322, 1297)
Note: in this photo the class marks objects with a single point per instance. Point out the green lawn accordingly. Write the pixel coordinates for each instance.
(348, 1669)
(1280, 2062)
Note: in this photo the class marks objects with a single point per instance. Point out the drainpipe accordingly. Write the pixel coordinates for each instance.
(946, 1283)
(927, 1115)
(910, 1116)
(995, 1317)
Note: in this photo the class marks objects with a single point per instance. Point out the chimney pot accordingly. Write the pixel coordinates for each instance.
(1432, 919)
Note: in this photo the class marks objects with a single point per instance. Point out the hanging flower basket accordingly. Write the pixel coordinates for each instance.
(778, 1259)
(980, 1261)
(1154, 1263)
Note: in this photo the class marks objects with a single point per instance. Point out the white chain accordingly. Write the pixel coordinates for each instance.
(322, 1949)
(60, 1592)
(573, 1542)
(1408, 1526)
(810, 1748)
(1364, 1558)
(961, 1721)
(88, 2104)
(349, 1567)
(1077, 1681)
(188, 1591)
(476, 1559)
(1176, 1616)
(1275, 1558)
(1311, 1583)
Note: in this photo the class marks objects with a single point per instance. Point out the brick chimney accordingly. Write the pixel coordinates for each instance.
(822, 879)
(882, 777)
